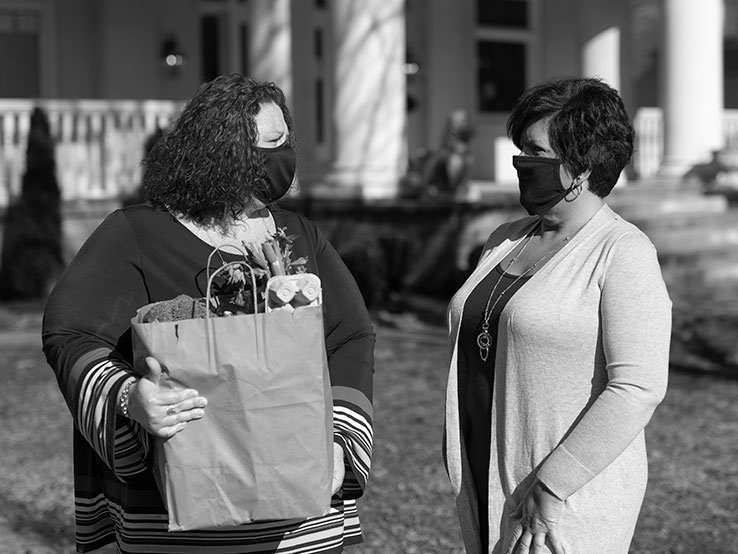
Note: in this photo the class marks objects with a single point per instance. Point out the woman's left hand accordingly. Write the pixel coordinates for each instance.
(339, 471)
(538, 513)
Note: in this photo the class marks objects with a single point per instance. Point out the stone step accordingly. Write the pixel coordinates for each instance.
(696, 235)
(666, 224)
(695, 240)
(705, 271)
(652, 204)
(641, 201)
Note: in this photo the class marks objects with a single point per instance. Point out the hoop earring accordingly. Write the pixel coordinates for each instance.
(574, 191)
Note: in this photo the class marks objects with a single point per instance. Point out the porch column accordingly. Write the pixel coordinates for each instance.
(692, 87)
(605, 39)
(270, 46)
(604, 26)
(369, 95)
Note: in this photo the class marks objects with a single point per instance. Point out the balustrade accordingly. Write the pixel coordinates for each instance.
(100, 143)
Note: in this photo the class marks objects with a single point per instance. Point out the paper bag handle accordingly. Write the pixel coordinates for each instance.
(211, 276)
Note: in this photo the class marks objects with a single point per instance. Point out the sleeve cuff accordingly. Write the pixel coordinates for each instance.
(563, 474)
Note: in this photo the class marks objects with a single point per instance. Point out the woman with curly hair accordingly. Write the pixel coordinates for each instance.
(560, 343)
(211, 180)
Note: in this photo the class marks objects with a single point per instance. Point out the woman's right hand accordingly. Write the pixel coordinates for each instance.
(537, 516)
(162, 412)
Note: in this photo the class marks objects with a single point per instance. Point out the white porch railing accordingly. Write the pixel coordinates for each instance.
(649, 147)
(99, 143)
(730, 128)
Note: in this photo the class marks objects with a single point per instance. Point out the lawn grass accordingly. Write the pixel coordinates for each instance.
(690, 507)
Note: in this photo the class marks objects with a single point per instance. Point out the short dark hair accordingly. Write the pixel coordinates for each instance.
(588, 128)
(205, 166)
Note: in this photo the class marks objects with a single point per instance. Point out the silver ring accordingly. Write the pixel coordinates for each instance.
(171, 410)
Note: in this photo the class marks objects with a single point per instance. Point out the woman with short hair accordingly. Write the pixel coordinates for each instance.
(560, 343)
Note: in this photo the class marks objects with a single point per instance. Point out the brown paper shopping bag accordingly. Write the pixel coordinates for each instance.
(264, 449)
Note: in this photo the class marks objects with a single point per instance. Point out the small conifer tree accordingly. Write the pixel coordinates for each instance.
(32, 257)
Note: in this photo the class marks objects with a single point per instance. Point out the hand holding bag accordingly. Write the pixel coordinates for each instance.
(264, 448)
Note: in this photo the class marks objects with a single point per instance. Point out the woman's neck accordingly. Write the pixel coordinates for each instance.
(252, 227)
(569, 218)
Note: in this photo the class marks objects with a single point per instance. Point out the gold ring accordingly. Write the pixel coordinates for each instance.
(171, 410)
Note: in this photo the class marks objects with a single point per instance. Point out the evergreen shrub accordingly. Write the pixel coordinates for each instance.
(32, 258)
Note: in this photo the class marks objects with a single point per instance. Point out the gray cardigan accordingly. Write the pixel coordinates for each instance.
(582, 362)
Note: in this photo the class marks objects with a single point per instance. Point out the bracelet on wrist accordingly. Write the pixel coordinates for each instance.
(124, 397)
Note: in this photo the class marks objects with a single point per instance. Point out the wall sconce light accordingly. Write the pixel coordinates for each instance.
(411, 68)
(172, 56)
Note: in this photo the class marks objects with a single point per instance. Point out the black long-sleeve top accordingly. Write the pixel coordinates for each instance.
(139, 255)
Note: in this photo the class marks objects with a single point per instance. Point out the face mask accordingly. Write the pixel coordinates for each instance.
(540, 183)
(279, 164)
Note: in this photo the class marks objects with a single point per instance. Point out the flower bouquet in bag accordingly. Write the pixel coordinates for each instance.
(263, 449)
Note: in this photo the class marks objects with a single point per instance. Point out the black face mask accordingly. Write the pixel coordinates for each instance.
(539, 182)
(279, 165)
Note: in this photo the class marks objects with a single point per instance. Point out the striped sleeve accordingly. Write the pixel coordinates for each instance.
(122, 444)
(349, 343)
(86, 340)
(353, 431)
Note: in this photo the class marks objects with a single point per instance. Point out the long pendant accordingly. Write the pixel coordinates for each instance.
(484, 341)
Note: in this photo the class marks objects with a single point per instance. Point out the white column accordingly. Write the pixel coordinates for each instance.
(270, 47)
(602, 24)
(692, 87)
(601, 57)
(605, 34)
(369, 95)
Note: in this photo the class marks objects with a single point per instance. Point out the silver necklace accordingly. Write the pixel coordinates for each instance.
(484, 339)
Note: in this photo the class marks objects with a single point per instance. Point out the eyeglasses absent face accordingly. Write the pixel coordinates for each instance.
(271, 126)
(535, 141)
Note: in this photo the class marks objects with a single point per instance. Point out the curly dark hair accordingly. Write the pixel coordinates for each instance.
(205, 166)
(588, 128)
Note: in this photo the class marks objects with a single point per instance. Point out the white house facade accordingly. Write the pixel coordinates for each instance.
(368, 81)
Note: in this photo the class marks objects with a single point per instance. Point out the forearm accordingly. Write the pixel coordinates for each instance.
(350, 349)
(91, 381)
(351, 368)
(609, 426)
(353, 431)
(86, 339)
(635, 316)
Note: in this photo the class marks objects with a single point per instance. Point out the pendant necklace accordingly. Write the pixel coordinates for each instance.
(484, 339)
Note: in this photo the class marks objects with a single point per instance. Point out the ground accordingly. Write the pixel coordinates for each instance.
(689, 508)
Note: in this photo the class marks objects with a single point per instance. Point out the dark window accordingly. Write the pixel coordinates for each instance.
(244, 39)
(19, 35)
(501, 74)
(210, 44)
(502, 13)
(318, 44)
(319, 127)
